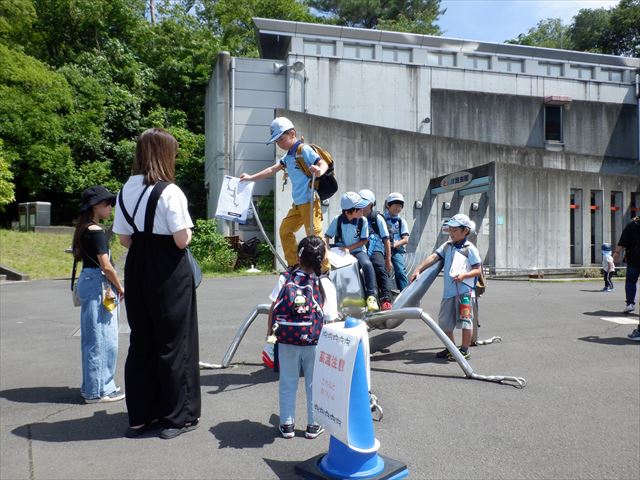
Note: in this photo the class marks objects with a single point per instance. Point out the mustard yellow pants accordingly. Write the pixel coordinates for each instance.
(297, 217)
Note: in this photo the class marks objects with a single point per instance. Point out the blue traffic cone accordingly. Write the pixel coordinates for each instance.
(359, 460)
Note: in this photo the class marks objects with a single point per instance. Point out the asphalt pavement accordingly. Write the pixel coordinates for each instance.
(577, 418)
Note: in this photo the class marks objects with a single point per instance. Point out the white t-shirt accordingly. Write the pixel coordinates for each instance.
(330, 309)
(172, 213)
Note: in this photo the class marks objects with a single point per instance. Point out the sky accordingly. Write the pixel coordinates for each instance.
(500, 20)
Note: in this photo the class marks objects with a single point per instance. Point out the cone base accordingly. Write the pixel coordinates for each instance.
(393, 470)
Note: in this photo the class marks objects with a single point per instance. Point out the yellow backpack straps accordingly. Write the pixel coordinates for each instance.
(300, 161)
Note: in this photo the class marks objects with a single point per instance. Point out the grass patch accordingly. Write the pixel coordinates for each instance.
(41, 255)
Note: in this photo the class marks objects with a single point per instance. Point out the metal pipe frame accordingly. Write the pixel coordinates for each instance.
(371, 320)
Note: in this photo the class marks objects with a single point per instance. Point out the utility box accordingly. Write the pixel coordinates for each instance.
(34, 214)
(23, 216)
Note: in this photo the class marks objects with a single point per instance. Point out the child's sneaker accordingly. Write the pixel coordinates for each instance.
(464, 353)
(386, 305)
(313, 431)
(288, 430)
(372, 304)
(443, 354)
(635, 335)
(629, 308)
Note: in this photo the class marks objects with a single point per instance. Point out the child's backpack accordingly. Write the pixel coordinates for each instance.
(338, 238)
(373, 224)
(481, 281)
(326, 185)
(297, 313)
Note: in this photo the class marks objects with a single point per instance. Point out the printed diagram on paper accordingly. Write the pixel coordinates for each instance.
(234, 199)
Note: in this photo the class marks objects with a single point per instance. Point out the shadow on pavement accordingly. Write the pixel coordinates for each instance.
(607, 313)
(222, 380)
(98, 427)
(608, 341)
(409, 357)
(381, 342)
(283, 470)
(66, 395)
(245, 433)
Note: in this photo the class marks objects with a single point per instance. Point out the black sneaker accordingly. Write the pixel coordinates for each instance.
(443, 354)
(464, 353)
(288, 430)
(313, 431)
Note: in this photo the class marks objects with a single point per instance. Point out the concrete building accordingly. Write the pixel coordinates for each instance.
(539, 146)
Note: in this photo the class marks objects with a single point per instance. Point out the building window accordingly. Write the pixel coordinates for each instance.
(611, 75)
(396, 55)
(325, 49)
(578, 71)
(362, 52)
(441, 59)
(553, 123)
(476, 61)
(510, 65)
(550, 69)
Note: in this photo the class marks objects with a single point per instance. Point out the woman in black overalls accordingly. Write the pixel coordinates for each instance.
(162, 377)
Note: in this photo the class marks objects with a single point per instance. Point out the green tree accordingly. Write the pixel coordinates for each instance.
(7, 187)
(416, 16)
(549, 33)
(589, 30)
(623, 36)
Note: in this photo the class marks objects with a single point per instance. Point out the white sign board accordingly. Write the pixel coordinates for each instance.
(234, 199)
(332, 374)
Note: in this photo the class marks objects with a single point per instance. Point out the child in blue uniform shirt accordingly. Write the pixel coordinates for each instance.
(351, 232)
(399, 236)
(455, 287)
(379, 248)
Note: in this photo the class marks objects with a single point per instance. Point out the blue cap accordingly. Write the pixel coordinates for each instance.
(459, 220)
(278, 127)
(368, 196)
(352, 200)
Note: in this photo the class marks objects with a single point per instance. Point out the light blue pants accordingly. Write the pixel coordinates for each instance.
(99, 337)
(292, 358)
(397, 259)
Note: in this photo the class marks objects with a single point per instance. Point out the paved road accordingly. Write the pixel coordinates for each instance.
(577, 418)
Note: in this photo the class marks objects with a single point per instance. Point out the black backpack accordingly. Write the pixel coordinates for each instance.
(326, 185)
(338, 238)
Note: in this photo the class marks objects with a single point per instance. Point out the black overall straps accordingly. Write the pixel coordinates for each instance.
(152, 203)
(130, 220)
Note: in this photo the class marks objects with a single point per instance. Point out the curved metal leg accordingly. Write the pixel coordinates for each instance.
(489, 340)
(244, 326)
(417, 313)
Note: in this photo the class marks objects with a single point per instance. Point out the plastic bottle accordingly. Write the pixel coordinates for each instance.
(465, 307)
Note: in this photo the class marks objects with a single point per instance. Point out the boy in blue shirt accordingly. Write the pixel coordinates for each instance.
(283, 134)
(456, 290)
(399, 237)
(379, 248)
(351, 232)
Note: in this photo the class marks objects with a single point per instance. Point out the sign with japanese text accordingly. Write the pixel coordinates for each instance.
(456, 180)
(333, 370)
(234, 200)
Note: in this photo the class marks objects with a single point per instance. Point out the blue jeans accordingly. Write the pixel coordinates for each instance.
(291, 359)
(370, 284)
(99, 337)
(631, 279)
(397, 259)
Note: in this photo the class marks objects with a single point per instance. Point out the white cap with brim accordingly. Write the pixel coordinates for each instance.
(460, 220)
(278, 127)
(352, 200)
(368, 196)
(395, 197)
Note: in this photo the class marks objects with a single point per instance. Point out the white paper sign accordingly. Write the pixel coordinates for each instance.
(460, 264)
(333, 370)
(234, 199)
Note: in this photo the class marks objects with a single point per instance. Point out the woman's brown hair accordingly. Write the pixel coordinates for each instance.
(82, 223)
(155, 158)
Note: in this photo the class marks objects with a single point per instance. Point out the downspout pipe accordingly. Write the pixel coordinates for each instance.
(638, 110)
(232, 116)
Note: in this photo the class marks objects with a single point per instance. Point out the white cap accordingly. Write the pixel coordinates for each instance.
(395, 197)
(352, 200)
(368, 196)
(278, 127)
(460, 220)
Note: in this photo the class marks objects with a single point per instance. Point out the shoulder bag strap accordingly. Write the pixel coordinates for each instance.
(151, 206)
(73, 272)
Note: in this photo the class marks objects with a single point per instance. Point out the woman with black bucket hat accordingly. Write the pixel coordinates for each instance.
(161, 373)
(99, 291)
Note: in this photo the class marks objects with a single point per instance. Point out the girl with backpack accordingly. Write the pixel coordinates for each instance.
(303, 302)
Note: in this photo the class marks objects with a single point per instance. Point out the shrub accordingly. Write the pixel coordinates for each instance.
(211, 249)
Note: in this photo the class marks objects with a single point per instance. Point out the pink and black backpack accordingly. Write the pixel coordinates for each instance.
(297, 313)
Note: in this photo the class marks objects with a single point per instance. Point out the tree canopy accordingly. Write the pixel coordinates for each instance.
(614, 31)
